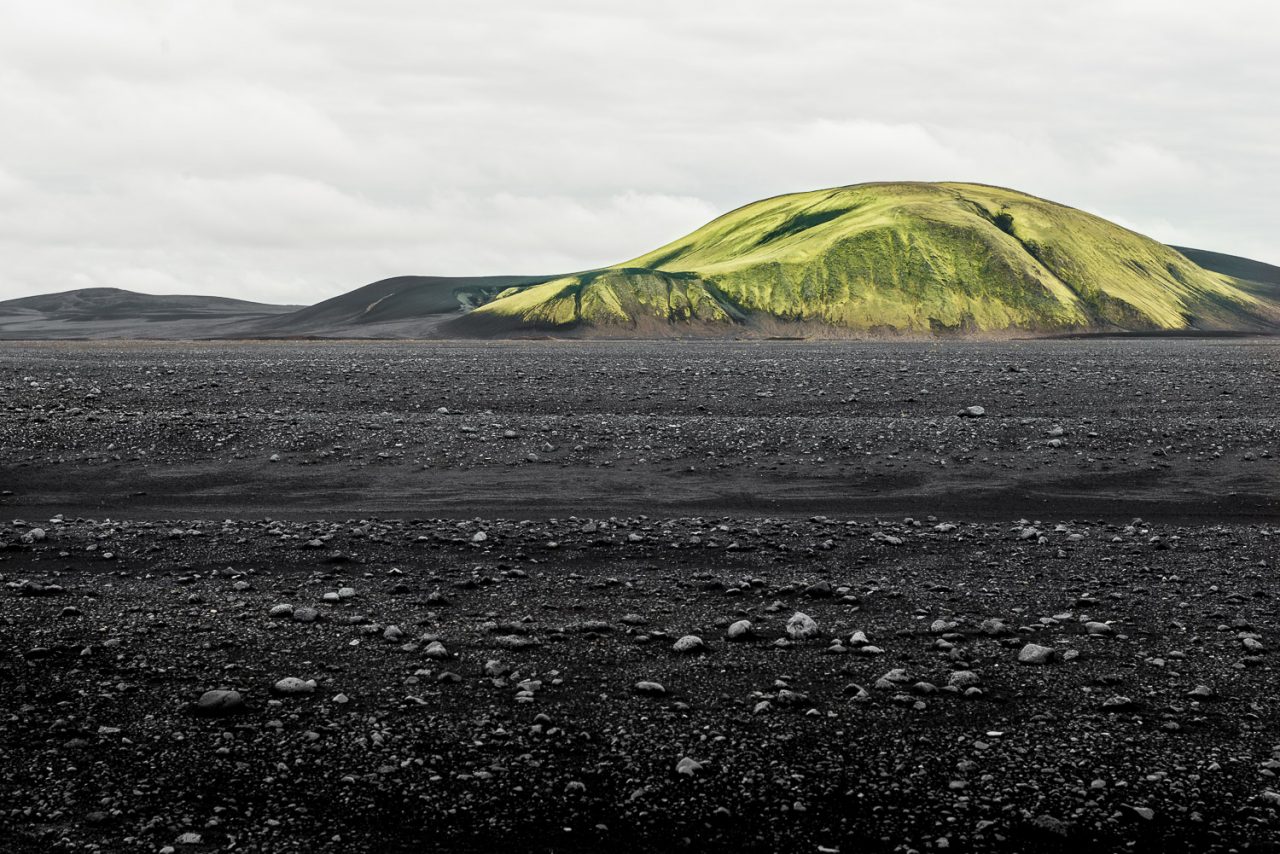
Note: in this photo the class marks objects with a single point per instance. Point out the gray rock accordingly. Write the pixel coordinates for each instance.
(293, 685)
(689, 767)
(218, 703)
(1118, 703)
(515, 642)
(892, 680)
(819, 590)
(689, 644)
(1144, 813)
(995, 628)
(741, 630)
(859, 694)
(1050, 824)
(1034, 653)
(802, 627)
(653, 689)
(790, 699)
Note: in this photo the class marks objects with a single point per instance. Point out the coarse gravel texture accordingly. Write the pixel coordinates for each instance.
(422, 660)
(1162, 429)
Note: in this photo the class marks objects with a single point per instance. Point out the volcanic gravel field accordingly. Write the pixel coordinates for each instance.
(640, 596)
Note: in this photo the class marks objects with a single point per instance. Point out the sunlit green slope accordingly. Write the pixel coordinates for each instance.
(909, 257)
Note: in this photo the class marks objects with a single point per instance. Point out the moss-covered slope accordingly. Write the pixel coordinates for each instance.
(907, 257)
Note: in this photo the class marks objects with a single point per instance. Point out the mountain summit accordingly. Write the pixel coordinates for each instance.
(901, 258)
(890, 257)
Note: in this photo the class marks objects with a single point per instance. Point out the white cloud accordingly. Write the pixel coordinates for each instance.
(289, 151)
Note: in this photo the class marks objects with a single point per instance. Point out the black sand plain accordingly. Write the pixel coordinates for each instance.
(476, 560)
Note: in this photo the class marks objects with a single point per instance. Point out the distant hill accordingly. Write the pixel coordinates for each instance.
(400, 307)
(888, 258)
(117, 313)
(895, 257)
(1252, 276)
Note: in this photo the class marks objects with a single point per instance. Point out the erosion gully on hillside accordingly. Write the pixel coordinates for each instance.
(414, 597)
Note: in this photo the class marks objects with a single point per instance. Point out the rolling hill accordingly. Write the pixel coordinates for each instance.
(885, 258)
(399, 307)
(117, 313)
(1255, 277)
(895, 257)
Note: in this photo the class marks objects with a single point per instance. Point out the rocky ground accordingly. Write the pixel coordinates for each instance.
(568, 597)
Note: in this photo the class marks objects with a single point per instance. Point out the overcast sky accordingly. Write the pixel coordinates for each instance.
(289, 150)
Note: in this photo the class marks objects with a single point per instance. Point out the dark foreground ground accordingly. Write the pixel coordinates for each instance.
(578, 509)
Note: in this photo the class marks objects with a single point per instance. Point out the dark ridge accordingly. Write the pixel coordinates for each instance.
(1233, 265)
(669, 257)
(87, 304)
(96, 313)
(803, 222)
(1163, 333)
(401, 298)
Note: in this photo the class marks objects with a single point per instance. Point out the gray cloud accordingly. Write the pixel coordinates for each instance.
(292, 150)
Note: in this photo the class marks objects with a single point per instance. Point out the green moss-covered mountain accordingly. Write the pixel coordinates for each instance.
(896, 257)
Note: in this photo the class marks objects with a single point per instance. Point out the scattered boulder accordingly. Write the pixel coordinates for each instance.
(819, 590)
(689, 644)
(688, 767)
(802, 627)
(995, 628)
(290, 685)
(892, 680)
(514, 642)
(1034, 653)
(1118, 703)
(219, 703)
